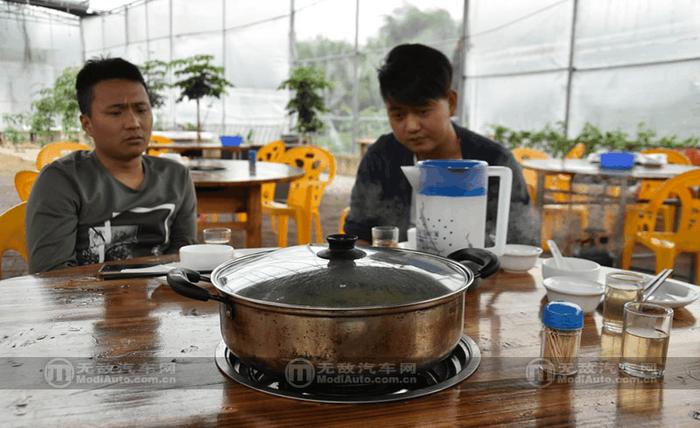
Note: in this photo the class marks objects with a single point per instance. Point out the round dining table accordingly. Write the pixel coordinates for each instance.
(231, 187)
(622, 178)
(79, 351)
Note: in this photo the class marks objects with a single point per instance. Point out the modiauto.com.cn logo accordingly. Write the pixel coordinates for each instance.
(300, 373)
(59, 372)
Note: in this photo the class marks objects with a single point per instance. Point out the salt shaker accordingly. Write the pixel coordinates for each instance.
(561, 337)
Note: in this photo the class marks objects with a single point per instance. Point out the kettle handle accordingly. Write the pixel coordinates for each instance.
(482, 263)
(505, 184)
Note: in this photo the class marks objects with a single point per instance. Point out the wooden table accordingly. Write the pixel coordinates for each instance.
(142, 324)
(233, 189)
(213, 149)
(621, 178)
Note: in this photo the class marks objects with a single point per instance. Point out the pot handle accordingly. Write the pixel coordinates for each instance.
(183, 281)
(483, 263)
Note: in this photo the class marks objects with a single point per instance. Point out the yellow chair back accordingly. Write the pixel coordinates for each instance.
(648, 188)
(682, 187)
(24, 181)
(315, 162)
(53, 151)
(161, 141)
(271, 152)
(12, 231)
(576, 152)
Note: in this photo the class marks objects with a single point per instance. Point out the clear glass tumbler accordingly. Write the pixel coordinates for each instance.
(385, 236)
(217, 235)
(645, 338)
(620, 288)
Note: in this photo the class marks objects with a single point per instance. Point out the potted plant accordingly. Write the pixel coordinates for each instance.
(307, 103)
(199, 78)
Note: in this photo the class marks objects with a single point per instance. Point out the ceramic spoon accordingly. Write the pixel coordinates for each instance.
(559, 260)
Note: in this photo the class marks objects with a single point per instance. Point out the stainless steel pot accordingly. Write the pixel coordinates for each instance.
(340, 304)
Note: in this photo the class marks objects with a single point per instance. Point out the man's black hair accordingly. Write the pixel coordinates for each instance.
(414, 74)
(97, 70)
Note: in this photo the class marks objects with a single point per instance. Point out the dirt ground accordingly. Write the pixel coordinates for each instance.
(336, 198)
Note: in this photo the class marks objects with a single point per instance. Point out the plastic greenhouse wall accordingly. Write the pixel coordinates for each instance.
(249, 39)
(612, 63)
(36, 44)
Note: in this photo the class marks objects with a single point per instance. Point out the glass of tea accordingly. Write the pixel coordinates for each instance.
(217, 235)
(645, 337)
(385, 236)
(620, 288)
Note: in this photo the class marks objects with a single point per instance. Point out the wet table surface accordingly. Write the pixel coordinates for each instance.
(143, 328)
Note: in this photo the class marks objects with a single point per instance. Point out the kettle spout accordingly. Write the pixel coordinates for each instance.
(412, 174)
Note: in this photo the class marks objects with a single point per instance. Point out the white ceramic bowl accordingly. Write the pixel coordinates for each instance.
(204, 257)
(519, 258)
(580, 268)
(583, 292)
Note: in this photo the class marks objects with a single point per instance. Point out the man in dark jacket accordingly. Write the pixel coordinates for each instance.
(415, 84)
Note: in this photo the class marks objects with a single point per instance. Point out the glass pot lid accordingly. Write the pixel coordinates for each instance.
(340, 276)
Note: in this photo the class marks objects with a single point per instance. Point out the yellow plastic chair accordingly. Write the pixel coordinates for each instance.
(649, 188)
(341, 221)
(53, 151)
(270, 152)
(24, 181)
(576, 152)
(305, 194)
(641, 224)
(161, 141)
(12, 231)
(555, 217)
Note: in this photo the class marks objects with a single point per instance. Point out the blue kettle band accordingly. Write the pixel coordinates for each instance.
(453, 178)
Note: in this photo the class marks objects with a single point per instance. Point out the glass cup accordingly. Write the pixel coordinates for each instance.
(645, 337)
(620, 288)
(385, 236)
(217, 235)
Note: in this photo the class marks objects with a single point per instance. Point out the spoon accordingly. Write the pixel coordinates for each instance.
(655, 283)
(559, 260)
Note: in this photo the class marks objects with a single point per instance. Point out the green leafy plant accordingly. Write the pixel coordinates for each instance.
(307, 103)
(154, 73)
(56, 105)
(199, 78)
(15, 128)
(552, 140)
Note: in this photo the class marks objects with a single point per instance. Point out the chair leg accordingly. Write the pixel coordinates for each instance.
(282, 230)
(303, 228)
(319, 231)
(665, 258)
(697, 268)
(627, 250)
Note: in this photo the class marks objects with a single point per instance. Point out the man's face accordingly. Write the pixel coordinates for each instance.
(423, 129)
(120, 119)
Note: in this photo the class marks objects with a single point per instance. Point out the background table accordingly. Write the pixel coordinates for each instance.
(621, 178)
(143, 323)
(233, 189)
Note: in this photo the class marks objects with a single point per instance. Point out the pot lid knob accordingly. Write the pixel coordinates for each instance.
(341, 247)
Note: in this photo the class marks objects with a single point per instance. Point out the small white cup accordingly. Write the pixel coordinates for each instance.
(204, 257)
(411, 238)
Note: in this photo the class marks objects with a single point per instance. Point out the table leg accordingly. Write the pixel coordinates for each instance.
(620, 223)
(253, 235)
(540, 192)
